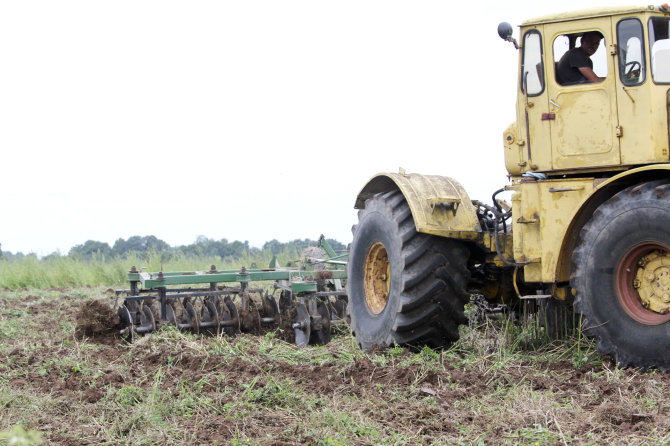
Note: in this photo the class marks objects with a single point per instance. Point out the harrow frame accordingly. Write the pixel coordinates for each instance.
(162, 298)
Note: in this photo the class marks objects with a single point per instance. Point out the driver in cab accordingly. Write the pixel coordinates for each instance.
(576, 66)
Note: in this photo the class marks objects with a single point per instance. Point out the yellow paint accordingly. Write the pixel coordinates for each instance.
(585, 14)
(439, 205)
(513, 147)
(542, 211)
(664, 168)
(377, 278)
(652, 281)
(594, 127)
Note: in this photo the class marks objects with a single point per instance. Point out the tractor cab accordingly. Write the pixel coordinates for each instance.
(578, 126)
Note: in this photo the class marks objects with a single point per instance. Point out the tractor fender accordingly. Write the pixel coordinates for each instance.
(439, 205)
(603, 192)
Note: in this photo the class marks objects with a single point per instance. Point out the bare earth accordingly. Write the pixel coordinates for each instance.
(66, 374)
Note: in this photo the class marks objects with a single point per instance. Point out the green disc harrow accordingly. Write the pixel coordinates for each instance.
(303, 300)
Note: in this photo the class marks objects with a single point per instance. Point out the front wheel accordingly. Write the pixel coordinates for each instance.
(404, 287)
(622, 276)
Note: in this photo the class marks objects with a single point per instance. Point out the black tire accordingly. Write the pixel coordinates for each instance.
(427, 285)
(615, 245)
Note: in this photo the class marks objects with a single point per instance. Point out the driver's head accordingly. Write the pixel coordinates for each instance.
(591, 41)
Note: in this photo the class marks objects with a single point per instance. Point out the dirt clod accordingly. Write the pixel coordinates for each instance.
(93, 395)
(96, 319)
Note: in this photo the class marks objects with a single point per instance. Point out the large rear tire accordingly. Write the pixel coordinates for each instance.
(622, 276)
(404, 287)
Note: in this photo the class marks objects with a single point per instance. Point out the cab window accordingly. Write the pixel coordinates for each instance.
(659, 45)
(630, 38)
(567, 73)
(532, 69)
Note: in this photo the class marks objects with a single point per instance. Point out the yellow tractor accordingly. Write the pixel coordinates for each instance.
(589, 221)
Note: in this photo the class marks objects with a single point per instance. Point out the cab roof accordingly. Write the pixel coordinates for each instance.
(592, 13)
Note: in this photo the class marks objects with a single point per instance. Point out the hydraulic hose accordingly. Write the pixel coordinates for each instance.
(493, 198)
(499, 217)
(497, 205)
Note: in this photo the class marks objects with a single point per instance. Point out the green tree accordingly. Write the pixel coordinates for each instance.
(139, 244)
(91, 248)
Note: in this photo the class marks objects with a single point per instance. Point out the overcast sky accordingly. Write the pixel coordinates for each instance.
(246, 120)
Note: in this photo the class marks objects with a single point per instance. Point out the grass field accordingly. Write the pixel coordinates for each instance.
(65, 271)
(176, 388)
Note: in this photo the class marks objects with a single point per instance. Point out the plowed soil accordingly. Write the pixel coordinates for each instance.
(67, 375)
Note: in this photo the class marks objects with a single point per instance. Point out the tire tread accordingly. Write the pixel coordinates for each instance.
(433, 284)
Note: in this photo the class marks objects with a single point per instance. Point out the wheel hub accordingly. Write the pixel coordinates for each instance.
(643, 283)
(653, 281)
(377, 278)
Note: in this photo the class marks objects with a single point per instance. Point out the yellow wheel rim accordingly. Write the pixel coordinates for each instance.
(377, 278)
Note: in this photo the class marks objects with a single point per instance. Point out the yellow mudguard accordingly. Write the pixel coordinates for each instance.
(439, 205)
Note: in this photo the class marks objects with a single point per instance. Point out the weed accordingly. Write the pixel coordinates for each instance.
(18, 436)
(537, 435)
(129, 396)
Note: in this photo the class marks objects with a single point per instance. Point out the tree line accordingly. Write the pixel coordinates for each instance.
(202, 247)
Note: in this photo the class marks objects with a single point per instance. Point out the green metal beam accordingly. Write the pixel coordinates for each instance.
(154, 280)
(303, 287)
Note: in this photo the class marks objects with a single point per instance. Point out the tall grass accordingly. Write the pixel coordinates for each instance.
(65, 271)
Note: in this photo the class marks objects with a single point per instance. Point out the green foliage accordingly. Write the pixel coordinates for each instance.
(149, 245)
(91, 249)
(54, 272)
(345, 425)
(18, 436)
(137, 244)
(277, 393)
(129, 396)
(95, 263)
(537, 434)
(297, 245)
(205, 247)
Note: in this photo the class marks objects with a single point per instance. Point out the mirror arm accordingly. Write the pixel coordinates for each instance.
(505, 32)
(513, 40)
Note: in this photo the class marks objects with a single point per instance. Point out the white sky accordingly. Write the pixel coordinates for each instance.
(246, 120)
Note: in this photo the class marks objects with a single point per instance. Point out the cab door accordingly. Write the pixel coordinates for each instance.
(584, 128)
(532, 104)
(638, 146)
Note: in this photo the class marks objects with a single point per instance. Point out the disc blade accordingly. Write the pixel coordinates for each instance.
(233, 313)
(301, 325)
(322, 336)
(147, 320)
(192, 317)
(170, 314)
(209, 308)
(128, 332)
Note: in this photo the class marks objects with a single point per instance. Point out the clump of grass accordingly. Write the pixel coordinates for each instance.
(18, 436)
(507, 339)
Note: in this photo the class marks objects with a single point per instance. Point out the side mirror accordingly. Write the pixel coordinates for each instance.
(505, 30)
(505, 33)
